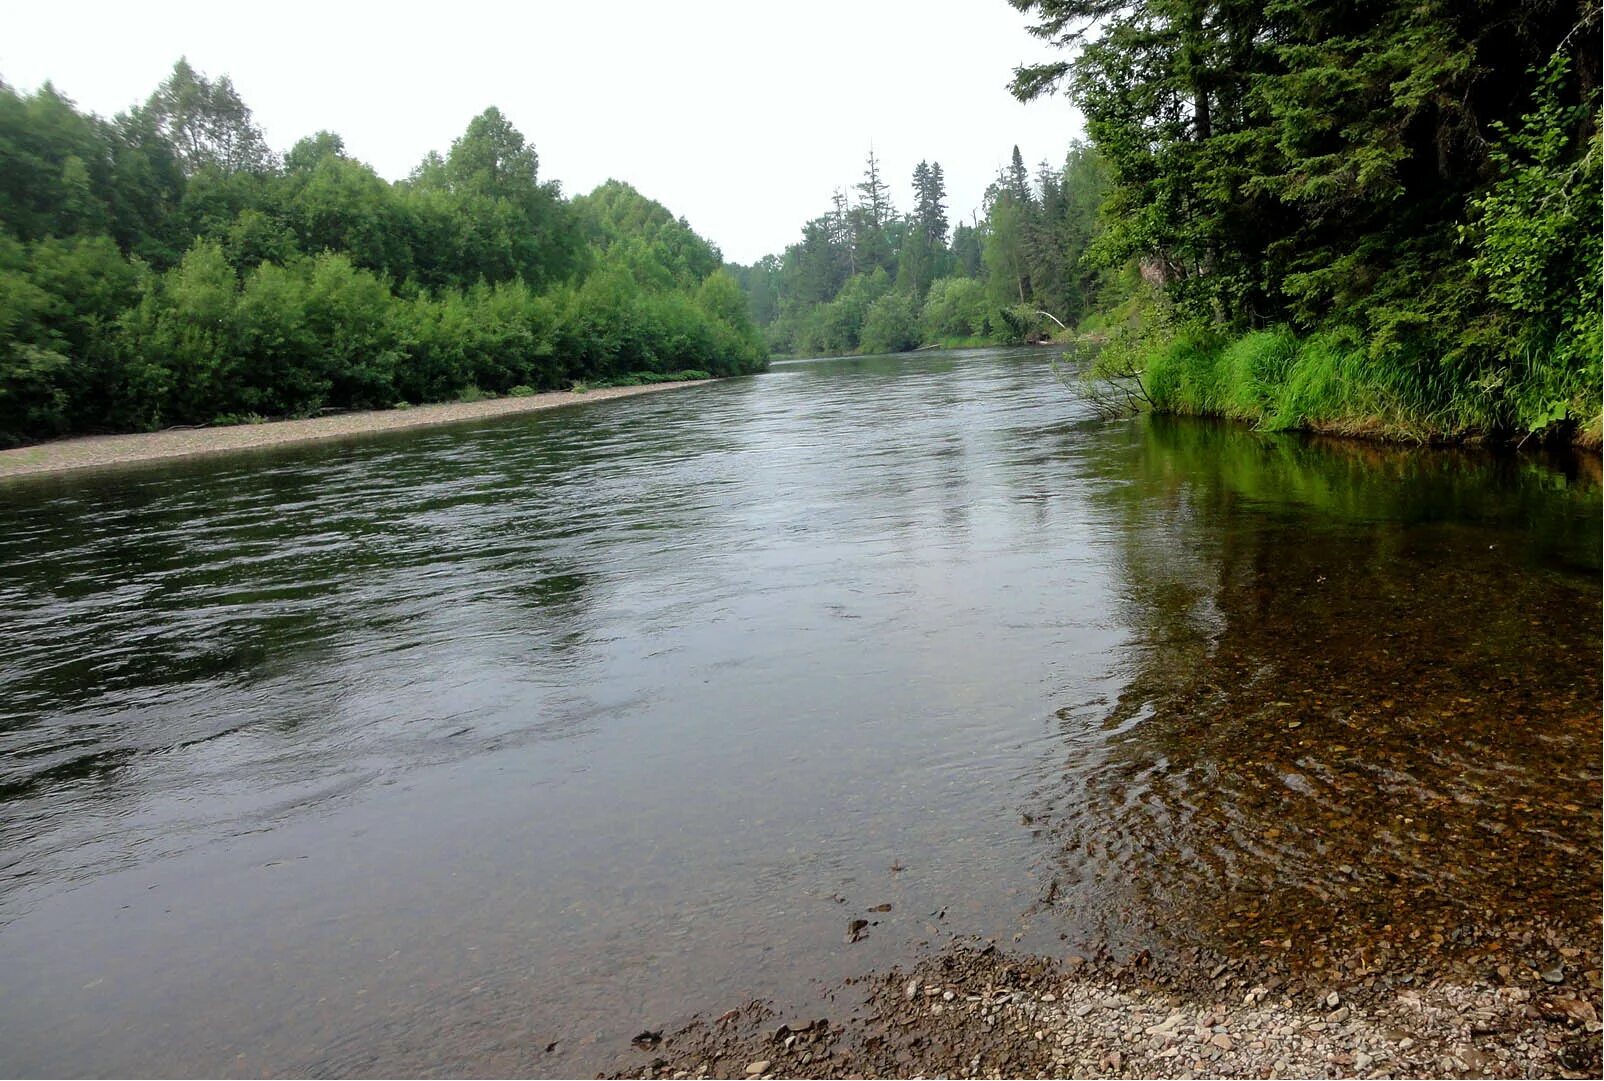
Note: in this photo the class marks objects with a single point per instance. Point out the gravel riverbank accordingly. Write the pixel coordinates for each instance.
(95, 452)
(978, 1012)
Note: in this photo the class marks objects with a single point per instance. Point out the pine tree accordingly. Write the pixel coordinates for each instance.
(875, 196)
(1018, 178)
(930, 210)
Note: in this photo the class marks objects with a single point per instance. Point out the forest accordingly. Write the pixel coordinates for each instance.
(166, 267)
(1372, 217)
(866, 278)
(1369, 217)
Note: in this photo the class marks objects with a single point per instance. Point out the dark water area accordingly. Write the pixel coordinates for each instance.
(478, 750)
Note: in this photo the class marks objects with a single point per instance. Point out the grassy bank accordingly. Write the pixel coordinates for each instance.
(1337, 381)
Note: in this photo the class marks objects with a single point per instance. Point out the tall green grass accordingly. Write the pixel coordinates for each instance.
(1335, 381)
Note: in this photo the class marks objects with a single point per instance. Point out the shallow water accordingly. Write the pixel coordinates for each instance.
(423, 753)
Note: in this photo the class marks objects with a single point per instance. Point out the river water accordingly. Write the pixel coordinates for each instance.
(477, 750)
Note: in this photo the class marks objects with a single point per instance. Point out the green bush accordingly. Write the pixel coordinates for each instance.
(953, 308)
(891, 325)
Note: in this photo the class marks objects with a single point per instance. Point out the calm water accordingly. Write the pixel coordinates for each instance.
(422, 753)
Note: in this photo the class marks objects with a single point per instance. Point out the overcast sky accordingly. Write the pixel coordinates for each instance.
(741, 115)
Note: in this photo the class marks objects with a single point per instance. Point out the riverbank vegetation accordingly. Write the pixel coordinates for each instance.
(1374, 217)
(165, 267)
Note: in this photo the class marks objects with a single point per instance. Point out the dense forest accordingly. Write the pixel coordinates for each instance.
(1373, 217)
(866, 278)
(166, 267)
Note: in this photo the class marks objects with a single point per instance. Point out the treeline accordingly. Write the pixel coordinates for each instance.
(865, 277)
(166, 267)
(1369, 215)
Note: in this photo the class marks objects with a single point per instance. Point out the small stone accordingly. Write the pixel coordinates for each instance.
(755, 1068)
(1333, 1000)
(1221, 1040)
(1555, 975)
(1574, 1055)
(911, 991)
(1337, 1016)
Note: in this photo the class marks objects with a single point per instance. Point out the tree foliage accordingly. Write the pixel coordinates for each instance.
(863, 278)
(1420, 178)
(165, 267)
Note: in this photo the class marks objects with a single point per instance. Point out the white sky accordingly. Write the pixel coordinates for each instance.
(741, 116)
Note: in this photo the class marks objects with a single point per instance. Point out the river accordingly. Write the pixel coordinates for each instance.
(479, 749)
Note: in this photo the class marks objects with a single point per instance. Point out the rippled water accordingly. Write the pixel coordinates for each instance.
(427, 752)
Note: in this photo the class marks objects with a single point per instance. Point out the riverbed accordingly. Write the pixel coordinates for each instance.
(482, 749)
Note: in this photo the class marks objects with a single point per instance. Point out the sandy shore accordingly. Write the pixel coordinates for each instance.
(95, 452)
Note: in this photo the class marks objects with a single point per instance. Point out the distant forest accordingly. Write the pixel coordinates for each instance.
(866, 277)
(166, 267)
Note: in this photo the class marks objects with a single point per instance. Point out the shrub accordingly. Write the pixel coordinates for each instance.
(891, 325)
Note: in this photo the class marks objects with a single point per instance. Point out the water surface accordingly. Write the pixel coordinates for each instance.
(425, 753)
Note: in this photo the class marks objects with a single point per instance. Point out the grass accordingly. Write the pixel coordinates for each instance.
(229, 420)
(1335, 381)
(973, 341)
(641, 379)
(638, 379)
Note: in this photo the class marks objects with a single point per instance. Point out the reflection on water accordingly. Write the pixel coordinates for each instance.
(1362, 718)
(432, 751)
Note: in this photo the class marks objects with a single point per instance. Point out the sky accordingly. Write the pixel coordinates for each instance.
(743, 117)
